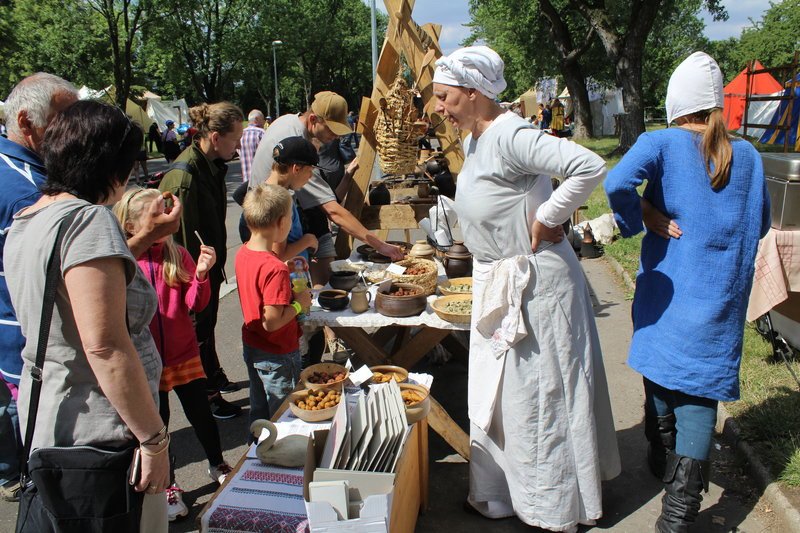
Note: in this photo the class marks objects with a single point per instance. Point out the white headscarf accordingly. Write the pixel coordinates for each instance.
(696, 85)
(476, 67)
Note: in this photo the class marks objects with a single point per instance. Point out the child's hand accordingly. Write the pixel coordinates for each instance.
(304, 298)
(206, 260)
(310, 241)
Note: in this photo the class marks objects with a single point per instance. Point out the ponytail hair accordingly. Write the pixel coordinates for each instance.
(219, 117)
(129, 210)
(716, 148)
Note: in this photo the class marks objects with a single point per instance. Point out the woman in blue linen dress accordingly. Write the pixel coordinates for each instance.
(705, 207)
(541, 428)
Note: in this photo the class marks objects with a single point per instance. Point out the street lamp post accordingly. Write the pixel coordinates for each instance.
(275, 67)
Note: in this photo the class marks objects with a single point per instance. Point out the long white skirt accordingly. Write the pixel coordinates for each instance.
(551, 440)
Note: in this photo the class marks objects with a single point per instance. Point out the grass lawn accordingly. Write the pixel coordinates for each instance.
(768, 412)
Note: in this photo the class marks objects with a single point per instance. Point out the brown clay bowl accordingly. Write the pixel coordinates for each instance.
(400, 306)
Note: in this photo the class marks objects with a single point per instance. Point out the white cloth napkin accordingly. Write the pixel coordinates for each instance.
(498, 320)
(500, 316)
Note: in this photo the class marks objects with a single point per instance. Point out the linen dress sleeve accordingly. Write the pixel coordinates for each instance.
(639, 164)
(529, 151)
(196, 293)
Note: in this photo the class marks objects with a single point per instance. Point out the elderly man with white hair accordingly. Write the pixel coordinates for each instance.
(29, 109)
(251, 136)
(541, 428)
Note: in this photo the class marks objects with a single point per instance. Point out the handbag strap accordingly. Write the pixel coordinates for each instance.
(50, 287)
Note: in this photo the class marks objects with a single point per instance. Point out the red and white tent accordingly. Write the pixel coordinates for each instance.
(736, 91)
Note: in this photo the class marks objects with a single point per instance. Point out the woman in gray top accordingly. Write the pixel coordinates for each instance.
(100, 376)
(541, 430)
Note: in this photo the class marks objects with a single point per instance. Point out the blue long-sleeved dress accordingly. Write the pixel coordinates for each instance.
(691, 293)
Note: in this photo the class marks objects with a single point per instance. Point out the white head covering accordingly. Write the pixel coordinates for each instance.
(476, 67)
(696, 85)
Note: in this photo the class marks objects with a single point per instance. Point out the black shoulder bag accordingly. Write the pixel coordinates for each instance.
(76, 488)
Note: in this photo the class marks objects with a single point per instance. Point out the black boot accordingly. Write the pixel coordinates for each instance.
(684, 479)
(660, 432)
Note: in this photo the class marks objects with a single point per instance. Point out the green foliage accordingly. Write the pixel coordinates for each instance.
(773, 39)
(64, 37)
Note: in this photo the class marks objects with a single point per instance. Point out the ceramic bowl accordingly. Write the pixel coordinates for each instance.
(308, 415)
(399, 373)
(444, 287)
(319, 368)
(400, 306)
(419, 410)
(333, 300)
(343, 280)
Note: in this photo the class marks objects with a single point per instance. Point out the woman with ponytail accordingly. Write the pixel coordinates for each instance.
(705, 207)
(197, 177)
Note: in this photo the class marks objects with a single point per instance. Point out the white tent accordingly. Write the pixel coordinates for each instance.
(163, 110)
(85, 93)
(604, 104)
(760, 113)
(2, 114)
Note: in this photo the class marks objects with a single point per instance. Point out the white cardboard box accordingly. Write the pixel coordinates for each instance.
(373, 492)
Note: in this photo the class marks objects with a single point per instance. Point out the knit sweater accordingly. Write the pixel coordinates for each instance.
(172, 328)
(691, 293)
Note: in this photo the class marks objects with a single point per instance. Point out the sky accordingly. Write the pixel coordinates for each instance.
(453, 14)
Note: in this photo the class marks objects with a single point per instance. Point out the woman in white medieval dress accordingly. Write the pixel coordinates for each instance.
(541, 429)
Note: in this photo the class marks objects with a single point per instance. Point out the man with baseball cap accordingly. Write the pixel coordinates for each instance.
(323, 122)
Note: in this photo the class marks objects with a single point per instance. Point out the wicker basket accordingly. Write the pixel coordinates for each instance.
(427, 280)
(438, 307)
(394, 130)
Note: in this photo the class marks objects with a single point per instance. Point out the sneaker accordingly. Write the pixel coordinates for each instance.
(228, 386)
(10, 491)
(222, 409)
(221, 383)
(220, 472)
(175, 506)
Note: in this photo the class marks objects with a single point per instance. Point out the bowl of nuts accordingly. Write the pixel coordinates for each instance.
(401, 299)
(387, 373)
(417, 401)
(324, 376)
(314, 405)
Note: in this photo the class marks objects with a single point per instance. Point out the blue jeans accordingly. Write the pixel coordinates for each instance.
(10, 444)
(272, 378)
(695, 418)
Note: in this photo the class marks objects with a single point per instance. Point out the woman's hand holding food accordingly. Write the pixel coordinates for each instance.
(657, 222)
(540, 232)
(206, 260)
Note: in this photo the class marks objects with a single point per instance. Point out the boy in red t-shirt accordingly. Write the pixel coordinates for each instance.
(270, 332)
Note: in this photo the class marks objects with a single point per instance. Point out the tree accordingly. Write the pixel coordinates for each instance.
(554, 33)
(125, 19)
(623, 29)
(30, 44)
(773, 39)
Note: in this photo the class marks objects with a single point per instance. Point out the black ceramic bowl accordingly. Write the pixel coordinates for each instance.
(344, 280)
(333, 300)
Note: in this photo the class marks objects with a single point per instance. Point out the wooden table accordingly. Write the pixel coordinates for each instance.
(411, 486)
(369, 333)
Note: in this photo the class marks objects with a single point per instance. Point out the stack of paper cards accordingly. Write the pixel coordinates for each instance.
(370, 436)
